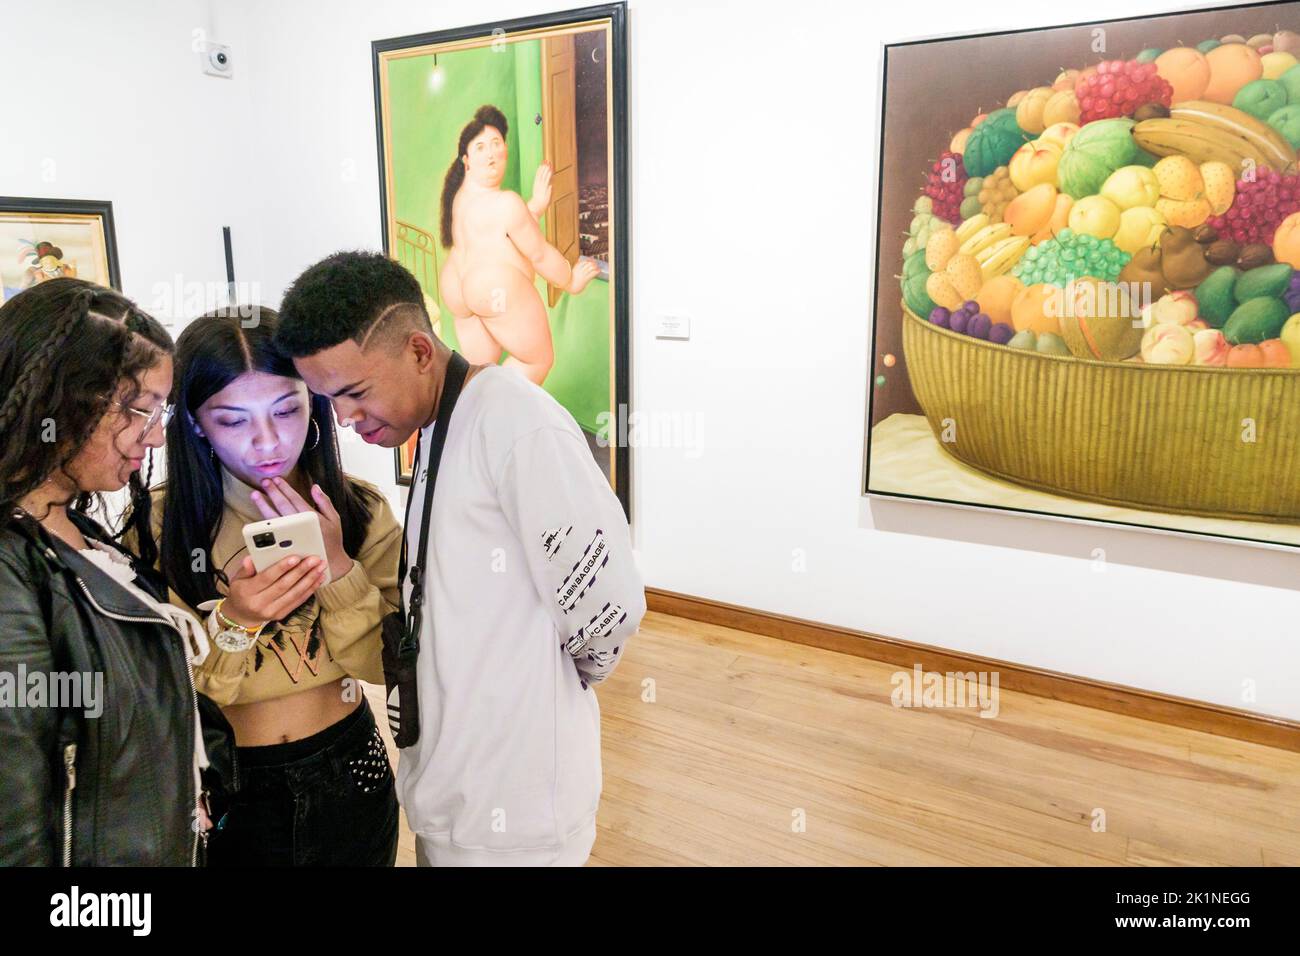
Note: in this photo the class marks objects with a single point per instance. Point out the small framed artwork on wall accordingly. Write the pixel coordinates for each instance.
(43, 239)
(406, 458)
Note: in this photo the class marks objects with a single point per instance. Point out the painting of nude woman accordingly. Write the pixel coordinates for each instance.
(496, 250)
(503, 174)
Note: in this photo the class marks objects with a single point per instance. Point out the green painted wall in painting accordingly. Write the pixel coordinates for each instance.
(425, 126)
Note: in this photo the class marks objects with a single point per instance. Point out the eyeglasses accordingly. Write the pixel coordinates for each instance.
(161, 414)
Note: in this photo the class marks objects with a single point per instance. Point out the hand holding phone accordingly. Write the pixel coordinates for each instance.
(278, 498)
(255, 597)
(297, 534)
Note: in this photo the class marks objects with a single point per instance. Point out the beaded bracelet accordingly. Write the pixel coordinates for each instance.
(235, 625)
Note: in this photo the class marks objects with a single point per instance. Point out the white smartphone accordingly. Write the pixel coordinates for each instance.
(275, 538)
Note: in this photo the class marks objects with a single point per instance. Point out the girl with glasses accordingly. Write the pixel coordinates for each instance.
(111, 767)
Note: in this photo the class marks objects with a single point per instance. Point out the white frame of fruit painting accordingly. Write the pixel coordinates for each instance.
(1073, 316)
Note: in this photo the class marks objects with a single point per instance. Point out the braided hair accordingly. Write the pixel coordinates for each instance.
(66, 347)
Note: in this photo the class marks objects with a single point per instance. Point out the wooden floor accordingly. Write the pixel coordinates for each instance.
(718, 743)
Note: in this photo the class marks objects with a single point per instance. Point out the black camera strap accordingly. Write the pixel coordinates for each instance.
(457, 368)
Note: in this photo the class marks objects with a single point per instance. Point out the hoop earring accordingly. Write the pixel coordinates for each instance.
(317, 440)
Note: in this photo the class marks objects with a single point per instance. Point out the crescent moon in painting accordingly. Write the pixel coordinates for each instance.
(593, 55)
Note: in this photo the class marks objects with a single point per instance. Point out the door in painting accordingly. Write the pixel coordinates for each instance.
(560, 149)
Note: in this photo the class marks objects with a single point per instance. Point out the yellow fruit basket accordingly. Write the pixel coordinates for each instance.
(1215, 442)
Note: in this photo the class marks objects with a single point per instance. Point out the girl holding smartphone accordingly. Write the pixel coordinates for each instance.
(249, 442)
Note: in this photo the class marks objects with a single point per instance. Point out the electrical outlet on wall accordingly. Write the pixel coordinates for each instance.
(673, 327)
(217, 60)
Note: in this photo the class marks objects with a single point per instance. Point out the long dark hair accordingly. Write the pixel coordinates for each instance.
(485, 116)
(66, 346)
(212, 352)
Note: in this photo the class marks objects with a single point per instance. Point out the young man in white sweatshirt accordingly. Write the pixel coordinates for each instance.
(530, 587)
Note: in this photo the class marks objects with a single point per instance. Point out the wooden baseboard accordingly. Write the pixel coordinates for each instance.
(1129, 701)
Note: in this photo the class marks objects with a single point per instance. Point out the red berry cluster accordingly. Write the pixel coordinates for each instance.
(1259, 207)
(1118, 87)
(946, 185)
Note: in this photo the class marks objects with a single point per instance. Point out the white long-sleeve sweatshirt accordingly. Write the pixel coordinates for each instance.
(531, 593)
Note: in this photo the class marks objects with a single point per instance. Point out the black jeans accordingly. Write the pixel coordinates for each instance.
(327, 800)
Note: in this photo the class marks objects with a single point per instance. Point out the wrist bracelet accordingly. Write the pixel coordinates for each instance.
(230, 636)
(235, 625)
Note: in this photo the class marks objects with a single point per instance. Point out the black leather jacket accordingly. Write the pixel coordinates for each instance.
(113, 789)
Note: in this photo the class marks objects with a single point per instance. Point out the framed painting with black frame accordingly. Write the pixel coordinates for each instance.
(557, 83)
(42, 239)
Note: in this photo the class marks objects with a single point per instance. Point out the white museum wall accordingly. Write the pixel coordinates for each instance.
(742, 130)
(106, 101)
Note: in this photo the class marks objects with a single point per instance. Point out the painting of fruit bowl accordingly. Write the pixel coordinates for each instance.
(1087, 298)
